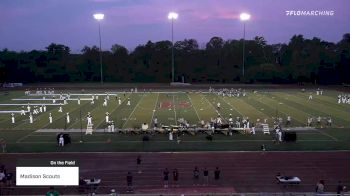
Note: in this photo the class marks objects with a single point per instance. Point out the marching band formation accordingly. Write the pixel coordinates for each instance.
(60, 100)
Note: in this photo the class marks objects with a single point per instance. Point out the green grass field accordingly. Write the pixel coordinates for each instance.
(169, 106)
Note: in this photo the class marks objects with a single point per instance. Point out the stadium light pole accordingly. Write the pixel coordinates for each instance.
(99, 17)
(244, 17)
(172, 16)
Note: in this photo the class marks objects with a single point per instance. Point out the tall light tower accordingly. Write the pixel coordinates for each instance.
(172, 16)
(244, 17)
(99, 17)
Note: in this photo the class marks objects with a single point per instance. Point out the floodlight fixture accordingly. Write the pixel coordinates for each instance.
(173, 16)
(244, 16)
(99, 16)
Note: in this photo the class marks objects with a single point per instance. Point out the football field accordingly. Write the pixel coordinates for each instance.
(168, 108)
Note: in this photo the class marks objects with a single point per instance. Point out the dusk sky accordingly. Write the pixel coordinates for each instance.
(34, 24)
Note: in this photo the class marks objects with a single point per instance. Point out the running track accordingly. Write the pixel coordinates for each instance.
(241, 171)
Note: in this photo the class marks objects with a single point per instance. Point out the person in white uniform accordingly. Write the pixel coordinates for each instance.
(13, 118)
(230, 121)
(155, 122)
(61, 141)
(289, 119)
(171, 137)
(253, 129)
(112, 126)
(219, 120)
(30, 118)
(144, 126)
(279, 133)
(89, 119)
(128, 103)
(68, 118)
(247, 124)
(310, 97)
(23, 112)
(50, 118)
(107, 117)
(309, 121)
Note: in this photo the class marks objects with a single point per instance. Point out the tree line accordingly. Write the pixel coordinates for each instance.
(220, 61)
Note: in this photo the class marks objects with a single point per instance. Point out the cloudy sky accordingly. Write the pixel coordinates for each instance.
(34, 24)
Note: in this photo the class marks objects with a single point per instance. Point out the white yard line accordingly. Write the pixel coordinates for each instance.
(4, 120)
(232, 107)
(214, 108)
(25, 104)
(174, 110)
(138, 103)
(193, 107)
(326, 134)
(74, 94)
(24, 137)
(154, 110)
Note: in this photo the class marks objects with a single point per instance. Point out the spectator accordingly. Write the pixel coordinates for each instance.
(166, 178)
(175, 177)
(320, 187)
(217, 174)
(340, 188)
(206, 176)
(129, 182)
(82, 185)
(2, 168)
(113, 193)
(195, 176)
(138, 162)
(9, 178)
(2, 176)
(52, 192)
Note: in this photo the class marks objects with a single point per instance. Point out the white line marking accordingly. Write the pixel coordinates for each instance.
(154, 110)
(232, 106)
(24, 137)
(138, 103)
(174, 109)
(326, 134)
(223, 118)
(193, 107)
